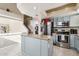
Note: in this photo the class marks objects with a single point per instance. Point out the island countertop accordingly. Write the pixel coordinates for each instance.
(41, 37)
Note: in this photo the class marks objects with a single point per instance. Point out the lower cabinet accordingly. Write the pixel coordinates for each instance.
(77, 43)
(55, 39)
(44, 48)
(72, 37)
(74, 42)
(31, 46)
(34, 47)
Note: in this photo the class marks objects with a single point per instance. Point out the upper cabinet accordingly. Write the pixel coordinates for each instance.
(61, 21)
(74, 20)
(65, 21)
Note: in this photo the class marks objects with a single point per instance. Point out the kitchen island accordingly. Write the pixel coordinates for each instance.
(37, 45)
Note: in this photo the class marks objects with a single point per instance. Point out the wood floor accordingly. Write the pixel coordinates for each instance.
(15, 50)
(58, 51)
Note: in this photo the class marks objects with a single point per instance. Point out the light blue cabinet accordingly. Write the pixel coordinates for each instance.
(77, 43)
(74, 42)
(44, 48)
(31, 46)
(36, 47)
(55, 39)
(22, 45)
(72, 37)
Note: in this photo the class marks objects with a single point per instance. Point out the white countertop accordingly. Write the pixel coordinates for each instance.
(5, 34)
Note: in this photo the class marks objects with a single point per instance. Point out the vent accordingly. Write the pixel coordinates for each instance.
(8, 10)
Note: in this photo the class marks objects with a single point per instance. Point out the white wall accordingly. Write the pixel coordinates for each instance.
(14, 21)
(14, 25)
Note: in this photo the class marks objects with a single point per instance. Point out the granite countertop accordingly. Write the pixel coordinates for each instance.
(41, 37)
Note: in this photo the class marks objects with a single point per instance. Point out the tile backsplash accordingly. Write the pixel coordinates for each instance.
(4, 28)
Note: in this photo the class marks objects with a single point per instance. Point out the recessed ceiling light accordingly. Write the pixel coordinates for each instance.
(34, 7)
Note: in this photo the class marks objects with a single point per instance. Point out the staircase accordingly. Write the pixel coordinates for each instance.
(27, 23)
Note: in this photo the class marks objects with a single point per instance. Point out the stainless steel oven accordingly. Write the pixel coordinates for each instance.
(63, 41)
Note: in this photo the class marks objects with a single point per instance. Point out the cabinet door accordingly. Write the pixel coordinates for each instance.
(32, 46)
(55, 39)
(26, 46)
(77, 44)
(22, 44)
(50, 47)
(72, 38)
(44, 48)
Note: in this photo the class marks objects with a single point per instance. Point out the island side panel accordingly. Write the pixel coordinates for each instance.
(31, 46)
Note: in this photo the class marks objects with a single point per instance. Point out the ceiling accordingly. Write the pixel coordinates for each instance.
(41, 6)
(11, 6)
(32, 9)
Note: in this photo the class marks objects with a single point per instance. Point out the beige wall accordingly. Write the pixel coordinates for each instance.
(64, 11)
(61, 12)
(12, 6)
